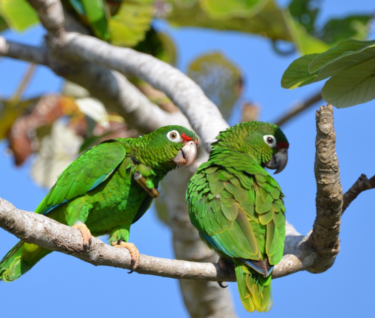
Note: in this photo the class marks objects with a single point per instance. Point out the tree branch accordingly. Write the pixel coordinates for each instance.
(362, 184)
(299, 108)
(23, 52)
(45, 232)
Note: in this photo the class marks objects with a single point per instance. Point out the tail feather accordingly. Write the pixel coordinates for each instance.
(254, 289)
(19, 260)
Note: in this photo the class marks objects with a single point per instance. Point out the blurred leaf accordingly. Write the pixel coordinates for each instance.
(9, 114)
(96, 15)
(46, 111)
(305, 43)
(297, 74)
(159, 45)
(71, 89)
(228, 8)
(129, 25)
(56, 152)
(18, 14)
(219, 78)
(305, 13)
(78, 6)
(3, 24)
(269, 22)
(355, 27)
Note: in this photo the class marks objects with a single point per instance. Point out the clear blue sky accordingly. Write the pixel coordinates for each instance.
(61, 286)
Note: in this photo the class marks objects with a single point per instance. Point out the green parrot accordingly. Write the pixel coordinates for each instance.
(238, 207)
(106, 190)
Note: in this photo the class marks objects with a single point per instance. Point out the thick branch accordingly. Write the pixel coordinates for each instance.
(203, 115)
(299, 108)
(47, 233)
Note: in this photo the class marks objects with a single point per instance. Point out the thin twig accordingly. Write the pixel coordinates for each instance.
(299, 108)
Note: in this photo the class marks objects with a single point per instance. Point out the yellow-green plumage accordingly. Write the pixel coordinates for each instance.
(238, 210)
(98, 189)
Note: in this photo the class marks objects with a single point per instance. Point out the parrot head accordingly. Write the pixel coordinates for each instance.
(175, 144)
(264, 142)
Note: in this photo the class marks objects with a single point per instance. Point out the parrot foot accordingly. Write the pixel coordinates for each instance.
(225, 267)
(86, 234)
(134, 253)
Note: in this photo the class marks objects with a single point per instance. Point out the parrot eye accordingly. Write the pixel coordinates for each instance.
(270, 140)
(174, 136)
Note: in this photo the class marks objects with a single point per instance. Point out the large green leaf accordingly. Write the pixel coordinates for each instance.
(269, 22)
(351, 66)
(18, 14)
(352, 86)
(96, 15)
(129, 25)
(354, 27)
(229, 8)
(343, 49)
(297, 74)
(219, 78)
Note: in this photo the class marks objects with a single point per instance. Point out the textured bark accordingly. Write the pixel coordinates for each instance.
(329, 197)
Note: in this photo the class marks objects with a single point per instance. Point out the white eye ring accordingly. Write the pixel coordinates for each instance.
(270, 140)
(174, 136)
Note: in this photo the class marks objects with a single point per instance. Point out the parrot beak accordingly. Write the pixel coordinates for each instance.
(186, 155)
(278, 161)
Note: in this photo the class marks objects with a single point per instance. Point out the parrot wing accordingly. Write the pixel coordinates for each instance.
(238, 209)
(84, 174)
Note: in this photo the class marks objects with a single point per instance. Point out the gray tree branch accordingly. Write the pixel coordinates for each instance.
(299, 108)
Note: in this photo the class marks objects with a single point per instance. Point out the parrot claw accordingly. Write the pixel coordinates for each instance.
(223, 264)
(86, 234)
(134, 253)
(221, 285)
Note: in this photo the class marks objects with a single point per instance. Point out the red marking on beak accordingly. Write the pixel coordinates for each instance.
(186, 138)
(282, 145)
(196, 141)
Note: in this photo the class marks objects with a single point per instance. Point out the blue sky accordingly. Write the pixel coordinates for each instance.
(61, 285)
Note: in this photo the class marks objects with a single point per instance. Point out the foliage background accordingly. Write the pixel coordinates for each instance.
(62, 286)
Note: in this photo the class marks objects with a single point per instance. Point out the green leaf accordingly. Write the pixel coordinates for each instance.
(297, 74)
(219, 78)
(3, 24)
(305, 43)
(228, 8)
(343, 49)
(304, 12)
(352, 86)
(354, 27)
(18, 14)
(158, 44)
(129, 25)
(96, 15)
(269, 22)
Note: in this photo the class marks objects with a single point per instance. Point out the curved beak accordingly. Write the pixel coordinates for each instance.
(186, 155)
(278, 160)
